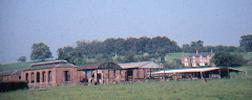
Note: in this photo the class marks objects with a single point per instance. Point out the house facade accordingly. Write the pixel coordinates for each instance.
(197, 59)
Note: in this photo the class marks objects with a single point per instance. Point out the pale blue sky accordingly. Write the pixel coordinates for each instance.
(62, 22)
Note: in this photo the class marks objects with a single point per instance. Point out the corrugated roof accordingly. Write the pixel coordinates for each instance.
(144, 64)
(187, 70)
(109, 65)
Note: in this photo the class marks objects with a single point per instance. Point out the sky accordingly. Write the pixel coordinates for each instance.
(60, 23)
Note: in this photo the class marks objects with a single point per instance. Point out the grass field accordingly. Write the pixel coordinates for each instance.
(14, 66)
(219, 89)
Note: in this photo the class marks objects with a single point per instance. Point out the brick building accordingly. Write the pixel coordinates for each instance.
(115, 73)
(140, 70)
(197, 59)
(104, 73)
(51, 73)
(11, 75)
(60, 72)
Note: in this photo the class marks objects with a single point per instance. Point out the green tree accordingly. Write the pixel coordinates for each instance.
(246, 42)
(40, 51)
(22, 59)
(227, 59)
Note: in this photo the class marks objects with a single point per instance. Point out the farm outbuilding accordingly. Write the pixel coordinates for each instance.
(197, 73)
(104, 73)
(10, 76)
(51, 73)
(140, 70)
(110, 72)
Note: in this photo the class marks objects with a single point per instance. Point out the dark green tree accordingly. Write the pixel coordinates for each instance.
(40, 51)
(246, 42)
(22, 59)
(227, 59)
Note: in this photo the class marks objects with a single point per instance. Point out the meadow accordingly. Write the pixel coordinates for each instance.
(218, 89)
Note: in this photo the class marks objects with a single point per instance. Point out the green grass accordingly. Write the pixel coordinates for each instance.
(247, 55)
(234, 89)
(171, 56)
(14, 66)
(219, 89)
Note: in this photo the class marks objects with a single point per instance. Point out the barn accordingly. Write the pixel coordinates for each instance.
(137, 71)
(110, 72)
(104, 73)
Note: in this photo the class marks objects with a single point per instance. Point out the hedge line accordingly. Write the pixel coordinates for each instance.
(12, 85)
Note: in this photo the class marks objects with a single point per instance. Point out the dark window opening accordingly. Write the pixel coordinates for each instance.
(38, 77)
(129, 74)
(66, 76)
(114, 73)
(26, 76)
(32, 77)
(49, 76)
(43, 76)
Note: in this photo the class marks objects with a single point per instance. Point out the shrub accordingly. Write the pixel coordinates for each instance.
(12, 85)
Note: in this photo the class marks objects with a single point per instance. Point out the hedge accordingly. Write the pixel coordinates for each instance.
(12, 85)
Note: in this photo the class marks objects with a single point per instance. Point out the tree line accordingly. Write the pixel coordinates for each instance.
(130, 49)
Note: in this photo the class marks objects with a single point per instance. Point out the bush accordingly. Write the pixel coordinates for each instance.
(227, 59)
(13, 85)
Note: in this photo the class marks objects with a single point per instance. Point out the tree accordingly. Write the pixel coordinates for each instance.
(40, 51)
(227, 59)
(246, 42)
(22, 59)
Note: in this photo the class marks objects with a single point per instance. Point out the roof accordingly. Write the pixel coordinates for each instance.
(50, 64)
(5, 73)
(144, 64)
(188, 70)
(204, 54)
(109, 65)
(87, 67)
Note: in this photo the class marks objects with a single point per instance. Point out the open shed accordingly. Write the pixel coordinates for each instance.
(197, 73)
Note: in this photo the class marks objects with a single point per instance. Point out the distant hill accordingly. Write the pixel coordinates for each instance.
(14, 66)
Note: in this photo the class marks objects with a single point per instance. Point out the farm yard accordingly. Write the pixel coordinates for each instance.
(219, 89)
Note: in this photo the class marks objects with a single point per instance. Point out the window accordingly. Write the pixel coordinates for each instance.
(32, 77)
(43, 76)
(49, 76)
(26, 76)
(38, 77)
(114, 73)
(66, 76)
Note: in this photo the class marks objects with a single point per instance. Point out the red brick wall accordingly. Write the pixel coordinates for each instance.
(111, 76)
(14, 77)
(57, 77)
